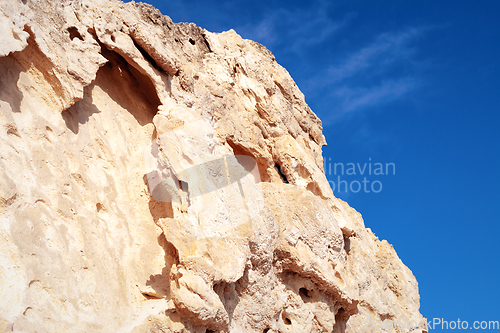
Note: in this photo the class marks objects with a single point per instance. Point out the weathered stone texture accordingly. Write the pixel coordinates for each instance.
(123, 209)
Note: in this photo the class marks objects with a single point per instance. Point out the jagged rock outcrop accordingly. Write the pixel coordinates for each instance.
(156, 177)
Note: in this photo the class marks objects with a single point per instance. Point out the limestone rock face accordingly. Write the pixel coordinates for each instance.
(156, 177)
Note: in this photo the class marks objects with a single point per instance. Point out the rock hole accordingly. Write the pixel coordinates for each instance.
(184, 186)
(265, 330)
(151, 295)
(185, 202)
(98, 206)
(24, 1)
(73, 33)
(341, 318)
(286, 320)
(305, 294)
(192, 41)
(209, 331)
(313, 188)
(347, 244)
(281, 173)
(92, 32)
(113, 38)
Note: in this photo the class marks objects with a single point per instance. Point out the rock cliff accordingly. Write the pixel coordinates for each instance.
(157, 177)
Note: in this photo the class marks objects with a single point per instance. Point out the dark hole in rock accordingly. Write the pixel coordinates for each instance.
(184, 186)
(347, 244)
(185, 192)
(281, 173)
(73, 33)
(286, 320)
(192, 41)
(149, 296)
(305, 294)
(92, 32)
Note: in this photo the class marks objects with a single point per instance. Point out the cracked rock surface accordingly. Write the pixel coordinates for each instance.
(157, 177)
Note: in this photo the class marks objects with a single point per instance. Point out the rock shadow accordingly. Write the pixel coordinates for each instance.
(30, 60)
(158, 209)
(9, 76)
(131, 89)
(80, 112)
(228, 295)
(160, 283)
(125, 85)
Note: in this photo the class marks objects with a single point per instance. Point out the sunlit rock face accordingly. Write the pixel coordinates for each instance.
(156, 177)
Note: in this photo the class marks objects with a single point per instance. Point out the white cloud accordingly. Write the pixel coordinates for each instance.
(379, 72)
(264, 32)
(383, 52)
(297, 28)
(353, 98)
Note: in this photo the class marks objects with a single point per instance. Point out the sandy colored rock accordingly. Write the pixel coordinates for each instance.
(157, 177)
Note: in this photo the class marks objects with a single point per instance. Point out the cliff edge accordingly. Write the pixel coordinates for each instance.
(157, 177)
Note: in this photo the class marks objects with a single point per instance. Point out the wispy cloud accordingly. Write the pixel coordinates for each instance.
(353, 98)
(311, 40)
(264, 32)
(377, 73)
(382, 53)
(293, 29)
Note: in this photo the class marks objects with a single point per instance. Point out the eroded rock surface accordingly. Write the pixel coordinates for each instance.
(156, 177)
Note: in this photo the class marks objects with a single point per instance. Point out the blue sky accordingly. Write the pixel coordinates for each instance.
(414, 83)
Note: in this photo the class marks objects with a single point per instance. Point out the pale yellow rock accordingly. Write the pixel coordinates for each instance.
(157, 177)
(11, 25)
